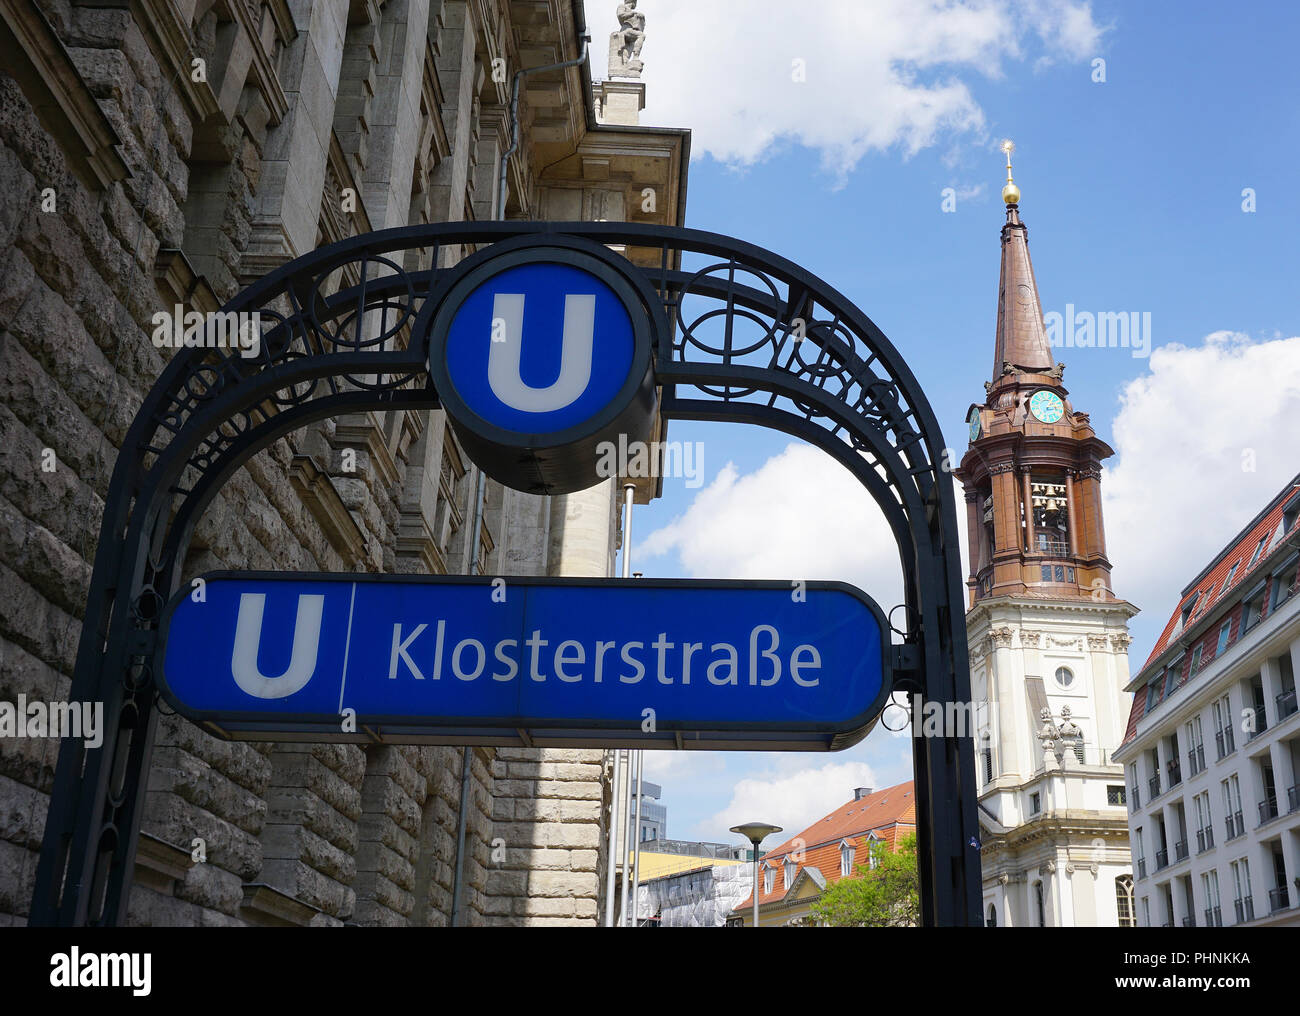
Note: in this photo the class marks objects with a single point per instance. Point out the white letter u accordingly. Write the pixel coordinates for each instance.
(248, 637)
(504, 376)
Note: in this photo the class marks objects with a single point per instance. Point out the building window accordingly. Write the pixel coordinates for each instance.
(1196, 662)
(769, 878)
(1258, 550)
(1253, 610)
(1290, 514)
(1035, 803)
(1115, 795)
(846, 859)
(1231, 575)
(790, 869)
(987, 755)
(1124, 901)
(1064, 676)
(1224, 634)
(873, 851)
(1283, 583)
(992, 922)
(1039, 906)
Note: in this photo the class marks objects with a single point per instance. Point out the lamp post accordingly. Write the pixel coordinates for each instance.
(755, 833)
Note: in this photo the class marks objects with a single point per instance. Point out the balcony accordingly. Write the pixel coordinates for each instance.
(1245, 909)
(1213, 917)
(1261, 718)
(1268, 809)
(1162, 859)
(1286, 704)
(1189, 922)
(1292, 799)
(1175, 772)
(1180, 851)
(1153, 787)
(1278, 899)
(1204, 839)
(1223, 742)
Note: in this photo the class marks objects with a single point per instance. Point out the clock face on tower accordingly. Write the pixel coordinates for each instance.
(1046, 406)
(973, 421)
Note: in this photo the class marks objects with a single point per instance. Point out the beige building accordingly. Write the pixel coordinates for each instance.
(172, 152)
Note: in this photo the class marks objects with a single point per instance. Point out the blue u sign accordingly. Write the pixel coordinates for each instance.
(541, 353)
(666, 663)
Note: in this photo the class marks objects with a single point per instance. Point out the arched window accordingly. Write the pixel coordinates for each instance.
(992, 922)
(1124, 901)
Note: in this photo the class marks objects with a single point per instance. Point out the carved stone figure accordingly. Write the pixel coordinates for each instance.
(625, 44)
(1070, 737)
(1048, 734)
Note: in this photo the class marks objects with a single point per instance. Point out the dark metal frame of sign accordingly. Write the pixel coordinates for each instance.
(750, 338)
(531, 732)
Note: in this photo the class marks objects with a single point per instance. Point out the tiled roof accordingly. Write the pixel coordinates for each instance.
(1209, 589)
(890, 814)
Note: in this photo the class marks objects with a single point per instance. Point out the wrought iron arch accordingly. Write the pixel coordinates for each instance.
(750, 338)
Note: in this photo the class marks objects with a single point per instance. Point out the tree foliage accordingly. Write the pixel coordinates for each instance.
(887, 895)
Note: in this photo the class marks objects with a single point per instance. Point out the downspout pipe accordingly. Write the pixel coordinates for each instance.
(514, 115)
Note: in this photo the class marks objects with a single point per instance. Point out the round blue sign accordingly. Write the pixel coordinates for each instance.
(541, 353)
(540, 348)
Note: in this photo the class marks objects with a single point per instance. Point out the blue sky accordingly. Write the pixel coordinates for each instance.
(1133, 194)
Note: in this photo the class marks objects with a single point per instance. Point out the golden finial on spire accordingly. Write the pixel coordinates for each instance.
(1010, 193)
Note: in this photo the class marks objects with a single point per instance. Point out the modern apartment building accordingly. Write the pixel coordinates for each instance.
(1212, 753)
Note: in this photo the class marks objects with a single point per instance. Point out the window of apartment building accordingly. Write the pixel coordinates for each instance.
(1153, 690)
(1259, 549)
(1284, 582)
(1225, 632)
(1115, 795)
(1196, 661)
(791, 867)
(1204, 822)
(1139, 854)
(769, 878)
(1244, 900)
(1195, 746)
(1252, 609)
(1210, 889)
(1146, 911)
(1223, 736)
(846, 858)
(873, 851)
(1232, 574)
(1124, 901)
(1290, 515)
(1186, 614)
(1234, 822)
(1133, 783)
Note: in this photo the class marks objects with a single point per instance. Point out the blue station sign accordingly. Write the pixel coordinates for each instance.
(649, 663)
(539, 354)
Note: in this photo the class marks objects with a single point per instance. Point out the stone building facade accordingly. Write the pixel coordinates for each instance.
(166, 152)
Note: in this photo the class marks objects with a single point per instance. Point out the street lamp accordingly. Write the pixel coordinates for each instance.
(755, 833)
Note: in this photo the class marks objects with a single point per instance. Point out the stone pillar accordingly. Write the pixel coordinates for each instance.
(297, 151)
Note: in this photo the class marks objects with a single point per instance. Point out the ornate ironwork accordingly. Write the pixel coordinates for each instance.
(754, 338)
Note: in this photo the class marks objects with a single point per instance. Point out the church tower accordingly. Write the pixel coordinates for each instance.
(1048, 637)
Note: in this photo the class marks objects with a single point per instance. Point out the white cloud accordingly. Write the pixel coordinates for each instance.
(801, 515)
(1203, 440)
(792, 800)
(878, 73)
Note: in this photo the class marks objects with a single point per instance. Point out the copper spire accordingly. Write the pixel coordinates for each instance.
(1021, 335)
